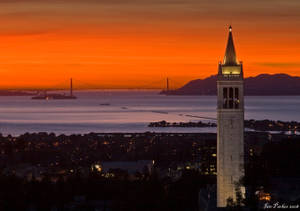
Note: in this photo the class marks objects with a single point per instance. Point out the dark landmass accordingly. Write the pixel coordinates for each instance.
(181, 124)
(261, 85)
(257, 125)
(48, 172)
(270, 125)
(16, 93)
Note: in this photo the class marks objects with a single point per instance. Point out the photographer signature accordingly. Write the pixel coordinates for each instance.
(277, 205)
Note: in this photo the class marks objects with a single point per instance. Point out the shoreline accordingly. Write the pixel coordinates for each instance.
(143, 134)
(256, 125)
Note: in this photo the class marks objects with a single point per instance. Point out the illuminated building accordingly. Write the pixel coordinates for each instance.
(230, 111)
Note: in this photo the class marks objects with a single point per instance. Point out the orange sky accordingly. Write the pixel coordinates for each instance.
(138, 43)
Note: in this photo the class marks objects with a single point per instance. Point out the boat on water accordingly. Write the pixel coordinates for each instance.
(56, 96)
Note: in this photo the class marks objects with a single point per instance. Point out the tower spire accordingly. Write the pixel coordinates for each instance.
(230, 55)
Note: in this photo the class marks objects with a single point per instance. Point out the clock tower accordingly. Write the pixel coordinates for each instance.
(230, 112)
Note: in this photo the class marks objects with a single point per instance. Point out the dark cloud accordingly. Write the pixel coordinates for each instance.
(171, 13)
(103, 1)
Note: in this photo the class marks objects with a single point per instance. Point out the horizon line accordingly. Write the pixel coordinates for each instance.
(94, 87)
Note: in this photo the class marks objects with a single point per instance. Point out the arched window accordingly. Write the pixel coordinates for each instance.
(236, 98)
(225, 97)
(230, 97)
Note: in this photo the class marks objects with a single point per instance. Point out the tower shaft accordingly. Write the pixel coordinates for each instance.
(167, 84)
(71, 87)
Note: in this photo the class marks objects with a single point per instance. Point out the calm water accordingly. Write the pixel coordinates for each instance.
(129, 111)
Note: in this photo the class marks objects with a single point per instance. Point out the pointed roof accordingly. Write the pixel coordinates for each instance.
(230, 55)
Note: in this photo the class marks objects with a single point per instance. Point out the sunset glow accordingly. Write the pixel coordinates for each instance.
(137, 44)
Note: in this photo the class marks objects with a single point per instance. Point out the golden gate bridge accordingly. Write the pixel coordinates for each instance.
(74, 84)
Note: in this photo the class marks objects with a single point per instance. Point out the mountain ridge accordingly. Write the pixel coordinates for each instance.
(260, 85)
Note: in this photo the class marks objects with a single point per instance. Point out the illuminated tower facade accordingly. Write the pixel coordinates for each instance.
(230, 111)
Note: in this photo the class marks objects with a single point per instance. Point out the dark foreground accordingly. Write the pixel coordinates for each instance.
(148, 171)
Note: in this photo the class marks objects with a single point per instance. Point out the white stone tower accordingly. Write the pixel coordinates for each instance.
(230, 144)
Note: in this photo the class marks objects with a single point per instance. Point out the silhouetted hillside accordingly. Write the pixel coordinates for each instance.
(264, 84)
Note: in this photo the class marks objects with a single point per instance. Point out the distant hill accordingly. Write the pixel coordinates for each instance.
(264, 84)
